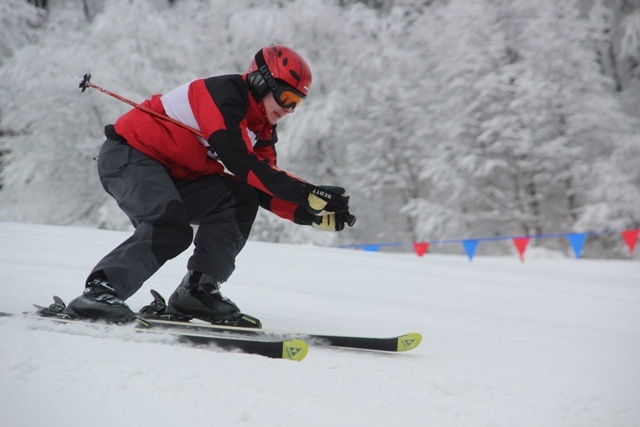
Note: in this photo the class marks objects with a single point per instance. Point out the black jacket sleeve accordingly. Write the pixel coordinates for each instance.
(234, 147)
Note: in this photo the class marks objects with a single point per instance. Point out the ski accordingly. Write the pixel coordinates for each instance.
(290, 349)
(399, 343)
(154, 315)
(281, 344)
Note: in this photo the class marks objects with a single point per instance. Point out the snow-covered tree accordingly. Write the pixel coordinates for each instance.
(529, 115)
(443, 119)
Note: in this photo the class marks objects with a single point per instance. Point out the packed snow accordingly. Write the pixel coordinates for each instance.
(548, 342)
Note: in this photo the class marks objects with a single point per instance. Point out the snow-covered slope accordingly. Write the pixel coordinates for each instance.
(551, 342)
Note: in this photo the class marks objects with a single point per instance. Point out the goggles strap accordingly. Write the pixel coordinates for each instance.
(264, 72)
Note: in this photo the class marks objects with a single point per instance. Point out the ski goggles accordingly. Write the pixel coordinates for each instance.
(285, 95)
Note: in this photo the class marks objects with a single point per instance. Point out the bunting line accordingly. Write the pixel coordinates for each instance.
(576, 242)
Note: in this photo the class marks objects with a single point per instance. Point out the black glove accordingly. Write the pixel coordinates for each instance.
(325, 199)
(333, 221)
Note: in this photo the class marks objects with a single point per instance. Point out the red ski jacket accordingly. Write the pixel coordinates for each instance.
(238, 138)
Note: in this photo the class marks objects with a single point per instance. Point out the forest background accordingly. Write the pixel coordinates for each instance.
(444, 119)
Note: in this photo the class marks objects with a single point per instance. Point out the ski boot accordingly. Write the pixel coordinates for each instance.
(99, 301)
(198, 297)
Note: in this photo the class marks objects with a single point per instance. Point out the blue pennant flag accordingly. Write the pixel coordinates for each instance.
(470, 247)
(576, 240)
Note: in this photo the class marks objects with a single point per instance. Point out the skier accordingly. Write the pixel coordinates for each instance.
(165, 178)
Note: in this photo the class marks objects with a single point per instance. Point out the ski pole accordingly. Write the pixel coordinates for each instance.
(86, 82)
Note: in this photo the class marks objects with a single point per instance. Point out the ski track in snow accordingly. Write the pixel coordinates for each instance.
(551, 342)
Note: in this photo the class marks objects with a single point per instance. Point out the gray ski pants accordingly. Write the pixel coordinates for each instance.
(162, 211)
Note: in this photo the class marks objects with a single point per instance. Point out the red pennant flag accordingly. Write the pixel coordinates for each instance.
(630, 238)
(421, 248)
(521, 245)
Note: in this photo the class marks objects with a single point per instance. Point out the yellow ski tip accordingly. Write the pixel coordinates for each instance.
(409, 341)
(294, 350)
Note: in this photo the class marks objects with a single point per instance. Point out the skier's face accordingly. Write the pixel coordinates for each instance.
(274, 111)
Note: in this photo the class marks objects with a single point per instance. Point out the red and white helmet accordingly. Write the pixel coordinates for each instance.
(284, 72)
